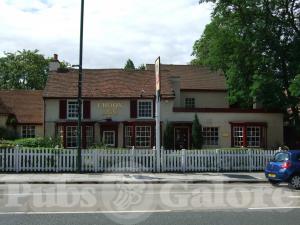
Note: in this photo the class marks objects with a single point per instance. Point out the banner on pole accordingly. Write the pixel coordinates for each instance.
(157, 74)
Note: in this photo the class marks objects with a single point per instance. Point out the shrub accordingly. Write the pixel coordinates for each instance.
(197, 133)
(8, 133)
(38, 142)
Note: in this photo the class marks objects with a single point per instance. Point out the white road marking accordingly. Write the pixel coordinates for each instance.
(36, 193)
(191, 192)
(83, 212)
(270, 208)
(294, 196)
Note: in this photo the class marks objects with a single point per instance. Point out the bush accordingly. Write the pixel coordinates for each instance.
(8, 133)
(197, 134)
(6, 144)
(38, 142)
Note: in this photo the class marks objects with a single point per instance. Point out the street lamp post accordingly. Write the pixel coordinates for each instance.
(80, 90)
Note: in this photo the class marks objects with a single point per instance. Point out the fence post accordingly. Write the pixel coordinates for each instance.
(95, 157)
(16, 156)
(157, 159)
(162, 159)
(132, 159)
(183, 160)
(218, 166)
(250, 159)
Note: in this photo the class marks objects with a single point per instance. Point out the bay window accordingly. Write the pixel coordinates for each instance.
(251, 135)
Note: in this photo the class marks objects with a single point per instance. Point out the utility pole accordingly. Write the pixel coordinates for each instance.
(80, 90)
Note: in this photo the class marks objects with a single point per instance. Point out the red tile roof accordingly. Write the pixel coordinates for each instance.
(195, 77)
(26, 105)
(117, 83)
(112, 83)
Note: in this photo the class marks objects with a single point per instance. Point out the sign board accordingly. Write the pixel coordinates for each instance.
(157, 74)
(110, 108)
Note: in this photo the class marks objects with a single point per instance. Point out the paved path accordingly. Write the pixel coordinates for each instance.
(134, 178)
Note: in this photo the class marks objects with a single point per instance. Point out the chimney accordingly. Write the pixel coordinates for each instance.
(54, 63)
(175, 81)
(257, 104)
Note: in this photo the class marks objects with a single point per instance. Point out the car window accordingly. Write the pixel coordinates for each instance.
(281, 157)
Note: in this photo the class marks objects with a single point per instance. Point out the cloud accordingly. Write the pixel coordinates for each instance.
(114, 31)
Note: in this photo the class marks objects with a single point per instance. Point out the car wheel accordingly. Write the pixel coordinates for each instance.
(274, 182)
(295, 182)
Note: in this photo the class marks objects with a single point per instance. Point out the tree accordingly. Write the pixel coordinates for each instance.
(197, 133)
(256, 44)
(295, 87)
(142, 67)
(169, 137)
(129, 66)
(23, 70)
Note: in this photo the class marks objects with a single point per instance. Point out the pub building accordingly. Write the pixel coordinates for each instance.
(118, 109)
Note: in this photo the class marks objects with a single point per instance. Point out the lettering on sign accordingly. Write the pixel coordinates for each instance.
(110, 109)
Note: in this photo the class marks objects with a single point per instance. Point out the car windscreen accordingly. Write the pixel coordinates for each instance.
(281, 157)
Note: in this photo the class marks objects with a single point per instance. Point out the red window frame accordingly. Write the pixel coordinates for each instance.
(245, 125)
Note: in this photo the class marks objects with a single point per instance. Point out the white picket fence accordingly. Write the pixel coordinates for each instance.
(133, 160)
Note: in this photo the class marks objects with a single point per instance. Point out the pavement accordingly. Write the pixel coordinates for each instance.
(132, 178)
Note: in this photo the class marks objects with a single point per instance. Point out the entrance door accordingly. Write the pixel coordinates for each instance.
(181, 137)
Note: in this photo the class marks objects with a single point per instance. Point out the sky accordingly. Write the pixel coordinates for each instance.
(114, 30)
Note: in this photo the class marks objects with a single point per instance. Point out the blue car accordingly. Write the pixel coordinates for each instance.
(284, 167)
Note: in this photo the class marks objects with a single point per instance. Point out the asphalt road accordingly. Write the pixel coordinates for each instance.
(212, 204)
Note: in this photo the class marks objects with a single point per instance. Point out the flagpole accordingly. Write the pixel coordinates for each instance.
(157, 113)
(80, 90)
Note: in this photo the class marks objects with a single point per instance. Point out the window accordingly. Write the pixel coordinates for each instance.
(190, 103)
(210, 135)
(89, 132)
(72, 109)
(109, 138)
(281, 157)
(143, 136)
(253, 136)
(249, 135)
(71, 137)
(28, 131)
(238, 136)
(145, 109)
(128, 136)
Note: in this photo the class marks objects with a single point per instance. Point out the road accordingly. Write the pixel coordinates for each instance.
(148, 204)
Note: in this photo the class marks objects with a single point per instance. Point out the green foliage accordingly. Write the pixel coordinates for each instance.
(11, 121)
(169, 136)
(8, 133)
(142, 67)
(6, 144)
(64, 66)
(23, 70)
(295, 86)
(129, 66)
(256, 44)
(197, 133)
(38, 142)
